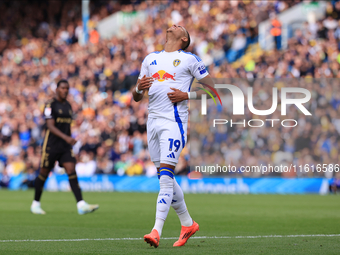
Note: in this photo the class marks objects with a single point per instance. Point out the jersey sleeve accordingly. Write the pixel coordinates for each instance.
(144, 70)
(197, 67)
(48, 111)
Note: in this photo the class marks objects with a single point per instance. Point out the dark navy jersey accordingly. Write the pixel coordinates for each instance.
(62, 113)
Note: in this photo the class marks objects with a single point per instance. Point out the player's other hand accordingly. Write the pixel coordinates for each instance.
(71, 140)
(145, 83)
(176, 95)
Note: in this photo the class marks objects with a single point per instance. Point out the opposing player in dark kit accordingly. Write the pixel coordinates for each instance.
(57, 146)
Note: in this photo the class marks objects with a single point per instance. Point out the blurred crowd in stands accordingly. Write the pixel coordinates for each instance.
(39, 45)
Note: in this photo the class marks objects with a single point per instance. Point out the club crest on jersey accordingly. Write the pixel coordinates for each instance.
(176, 62)
(60, 111)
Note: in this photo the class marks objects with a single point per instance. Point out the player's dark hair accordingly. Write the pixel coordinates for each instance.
(188, 36)
(62, 81)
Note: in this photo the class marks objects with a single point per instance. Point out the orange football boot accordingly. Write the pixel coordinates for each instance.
(186, 233)
(152, 238)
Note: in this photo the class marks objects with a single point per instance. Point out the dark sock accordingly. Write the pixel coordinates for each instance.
(39, 186)
(72, 178)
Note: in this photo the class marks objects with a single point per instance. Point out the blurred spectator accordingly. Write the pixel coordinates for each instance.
(4, 179)
(30, 179)
(15, 165)
(275, 31)
(86, 166)
(104, 164)
(334, 185)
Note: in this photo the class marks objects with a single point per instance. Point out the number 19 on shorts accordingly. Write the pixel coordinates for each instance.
(174, 143)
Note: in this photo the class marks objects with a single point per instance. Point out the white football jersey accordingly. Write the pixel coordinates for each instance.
(176, 69)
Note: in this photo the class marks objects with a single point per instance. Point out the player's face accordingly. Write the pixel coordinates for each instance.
(177, 32)
(62, 90)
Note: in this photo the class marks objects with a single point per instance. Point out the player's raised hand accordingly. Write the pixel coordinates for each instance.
(71, 140)
(177, 96)
(145, 83)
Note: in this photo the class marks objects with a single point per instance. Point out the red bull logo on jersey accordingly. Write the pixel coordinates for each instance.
(162, 75)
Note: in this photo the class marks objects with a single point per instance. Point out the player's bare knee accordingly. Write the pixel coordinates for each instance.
(70, 172)
(44, 172)
(168, 164)
(69, 168)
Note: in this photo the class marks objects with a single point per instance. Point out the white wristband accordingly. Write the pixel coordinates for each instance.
(139, 91)
(192, 95)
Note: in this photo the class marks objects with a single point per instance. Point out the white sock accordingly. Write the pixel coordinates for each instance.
(180, 207)
(80, 203)
(35, 203)
(185, 219)
(159, 226)
(163, 201)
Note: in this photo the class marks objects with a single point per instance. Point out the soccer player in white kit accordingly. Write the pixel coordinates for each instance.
(168, 75)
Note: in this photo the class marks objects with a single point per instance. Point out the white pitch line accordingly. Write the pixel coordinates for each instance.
(167, 238)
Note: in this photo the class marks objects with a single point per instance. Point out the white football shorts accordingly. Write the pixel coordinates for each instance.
(166, 140)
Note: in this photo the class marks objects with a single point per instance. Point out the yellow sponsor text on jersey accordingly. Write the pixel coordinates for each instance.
(64, 120)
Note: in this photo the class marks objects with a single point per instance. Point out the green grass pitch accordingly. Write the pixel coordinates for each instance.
(131, 215)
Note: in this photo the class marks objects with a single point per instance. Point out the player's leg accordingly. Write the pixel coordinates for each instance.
(178, 204)
(163, 202)
(67, 160)
(154, 150)
(175, 140)
(73, 180)
(189, 226)
(165, 195)
(82, 206)
(39, 186)
(46, 164)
